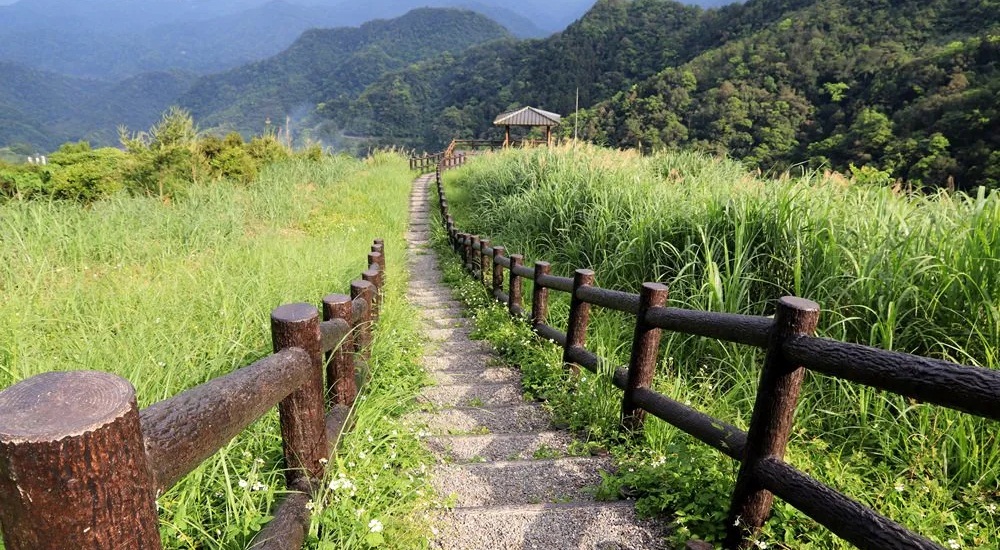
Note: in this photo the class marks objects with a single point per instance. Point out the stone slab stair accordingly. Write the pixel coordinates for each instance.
(512, 478)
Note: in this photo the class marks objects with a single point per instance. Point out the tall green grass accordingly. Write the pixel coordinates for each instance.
(171, 293)
(911, 273)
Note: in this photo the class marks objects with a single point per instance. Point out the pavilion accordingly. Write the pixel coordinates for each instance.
(528, 117)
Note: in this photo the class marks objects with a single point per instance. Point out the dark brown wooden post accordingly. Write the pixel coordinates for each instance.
(460, 247)
(498, 252)
(372, 276)
(467, 256)
(363, 328)
(73, 471)
(302, 414)
(340, 384)
(484, 261)
(540, 296)
(474, 254)
(515, 303)
(579, 317)
(642, 364)
(772, 419)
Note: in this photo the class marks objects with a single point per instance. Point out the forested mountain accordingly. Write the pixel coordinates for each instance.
(113, 39)
(905, 88)
(331, 65)
(45, 109)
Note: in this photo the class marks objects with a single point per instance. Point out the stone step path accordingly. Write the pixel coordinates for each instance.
(513, 479)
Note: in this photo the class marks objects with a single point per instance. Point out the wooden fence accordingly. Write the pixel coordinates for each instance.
(791, 350)
(81, 466)
(449, 159)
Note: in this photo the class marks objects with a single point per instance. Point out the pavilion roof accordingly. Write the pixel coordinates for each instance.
(528, 116)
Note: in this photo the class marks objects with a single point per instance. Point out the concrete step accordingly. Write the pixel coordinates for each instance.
(520, 481)
(529, 417)
(476, 376)
(441, 334)
(460, 362)
(493, 447)
(442, 314)
(461, 346)
(435, 303)
(589, 526)
(447, 322)
(481, 395)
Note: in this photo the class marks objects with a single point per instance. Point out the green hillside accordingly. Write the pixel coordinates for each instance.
(903, 88)
(45, 109)
(331, 65)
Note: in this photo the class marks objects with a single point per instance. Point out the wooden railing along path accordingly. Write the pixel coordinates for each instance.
(81, 467)
(449, 159)
(791, 350)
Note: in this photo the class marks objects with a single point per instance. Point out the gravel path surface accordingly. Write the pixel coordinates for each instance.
(512, 479)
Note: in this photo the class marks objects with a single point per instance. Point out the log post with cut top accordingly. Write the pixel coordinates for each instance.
(73, 469)
(302, 414)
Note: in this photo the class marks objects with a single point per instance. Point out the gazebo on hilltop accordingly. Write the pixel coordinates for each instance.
(530, 117)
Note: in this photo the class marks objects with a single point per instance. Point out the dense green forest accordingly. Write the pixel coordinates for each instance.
(898, 90)
(332, 65)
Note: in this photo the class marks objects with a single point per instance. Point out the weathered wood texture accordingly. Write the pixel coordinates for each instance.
(184, 430)
(579, 316)
(73, 471)
(642, 363)
(303, 430)
(340, 385)
(772, 419)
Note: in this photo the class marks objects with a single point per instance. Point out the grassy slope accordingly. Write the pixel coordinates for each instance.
(913, 274)
(170, 294)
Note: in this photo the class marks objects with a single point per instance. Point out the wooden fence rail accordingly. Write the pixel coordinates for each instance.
(791, 350)
(81, 466)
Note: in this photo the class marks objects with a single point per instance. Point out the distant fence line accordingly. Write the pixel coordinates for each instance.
(791, 349)
(81, 466)
(450, 159)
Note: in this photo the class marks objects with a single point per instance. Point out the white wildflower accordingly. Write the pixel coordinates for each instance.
(243, 483)
(375, 526)
(953, 544)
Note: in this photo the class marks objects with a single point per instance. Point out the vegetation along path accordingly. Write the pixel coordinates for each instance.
(513, 480)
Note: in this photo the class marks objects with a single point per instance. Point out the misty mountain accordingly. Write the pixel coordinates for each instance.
(331, 63)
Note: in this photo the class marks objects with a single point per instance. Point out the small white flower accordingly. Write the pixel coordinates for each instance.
(323, 461)
(310, 505)
(953, 544)
(737, 522)
(359, 512)
(761, 544)
(341, 483)
(900, 487)
(258, 486)
(375, 526)
(243, 483)
(992, 508)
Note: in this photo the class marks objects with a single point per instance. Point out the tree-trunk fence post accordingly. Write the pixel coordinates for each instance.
(540, 296)
(498, 252)
(475, 252)
(302, 414)
(515, 302)
(579, 317)
(373, 276)
(772, 419)
(363, 327)
(73, 470)
(484, 262)
(340, 383)
(642, 363)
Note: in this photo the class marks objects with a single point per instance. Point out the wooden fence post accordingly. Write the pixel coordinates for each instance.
(302, 414)
(540, 296)
(498, 252)
(474, 256)
(468, 256)
(484, 262)
(642, 364)
(363, 328)
(772, 419)
(579, 317)
(372, 276)
(340, 383)
(515, 303)
(73, 471)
